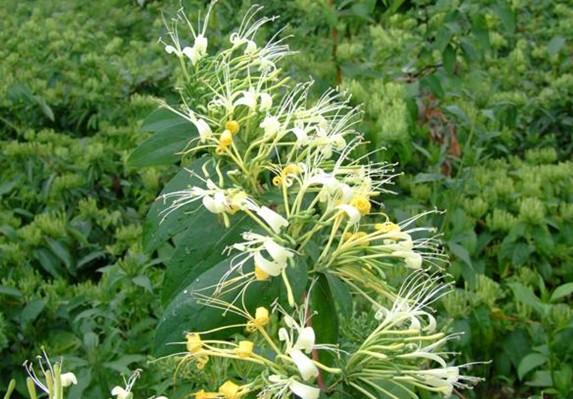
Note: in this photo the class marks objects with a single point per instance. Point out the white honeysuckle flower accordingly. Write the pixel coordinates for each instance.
(301, 135)
(200, 44)
(352, 213)
(305, 340)
(304, 364)
(271, 125)
(192, 54)
(266, 101)
(121, 393)
(279, 386)
(203, 129)
(412, 259)
(260, 248)
(216, 203)
(249, 98)
(169, 49)
(303, 391)
(68, 379)
(215, 199)
(251, 47)
(275, 221)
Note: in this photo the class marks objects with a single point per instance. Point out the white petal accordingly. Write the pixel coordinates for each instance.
(120, 393)
(251, 47)
(203, 129)
(68, 379)
(170, 49)
(269, 267)
(266, 101)
(352, 212)
(200, 44)
(305, 366)
(273, 219)
(271, 126)
(214, 205)
(305, 340)
(277, 252)
(304, 391)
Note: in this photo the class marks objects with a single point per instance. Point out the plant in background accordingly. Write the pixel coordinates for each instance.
(272, 222)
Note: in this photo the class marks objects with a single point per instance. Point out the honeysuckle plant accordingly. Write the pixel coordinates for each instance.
(274, 229)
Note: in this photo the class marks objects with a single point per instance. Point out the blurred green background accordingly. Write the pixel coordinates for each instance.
(473, 99)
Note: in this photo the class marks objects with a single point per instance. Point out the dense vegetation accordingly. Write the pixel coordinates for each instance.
(473, 99)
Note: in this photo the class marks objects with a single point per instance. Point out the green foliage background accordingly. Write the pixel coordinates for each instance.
(473, 98)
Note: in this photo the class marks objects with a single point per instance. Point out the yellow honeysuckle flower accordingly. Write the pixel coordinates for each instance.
(277, 181)
(261, 319)
(226, 139)
(230, 390)
(291, 169)
(362, 204)
(202, 394)
(260, 274)
(386, 227)
(245, 349)
(194, 343)
(233, 127)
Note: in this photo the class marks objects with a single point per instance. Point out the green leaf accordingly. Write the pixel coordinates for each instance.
(507, 16)
(172, 134)
(530, 362)
(541, 378)
(157, 230)
(433, 83)
(121, 365)
(144, 282)
(61, 251)
(555, 45)
(31, 312)
(341, 294)
(562, 291)
(449, 59)
(200, 248)
(10, 291)
(460, 253)
(185, 313)
(325, 318)
(525, 295)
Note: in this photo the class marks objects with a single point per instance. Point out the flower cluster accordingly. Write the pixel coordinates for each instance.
(290, 165)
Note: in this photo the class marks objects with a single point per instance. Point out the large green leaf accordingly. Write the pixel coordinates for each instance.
(171, 135)
(200, 248)
(185, 313)
(157, 229)
(530, 362)
(325, 318)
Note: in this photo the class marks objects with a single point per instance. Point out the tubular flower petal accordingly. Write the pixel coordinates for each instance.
(305, 340)
(68, 379)
(273, 219)
(245, 349)
(230, 390)
(362, 204)
(271, 126)
(194, 343)
(121, 393)
(226, 138)
(233, 127)
(266, 102)
(352, 213)
(387, 227)
(412, 259)
(269, 267)
(202, 394)
(260, 274)
(304, 391)
(305, 366)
